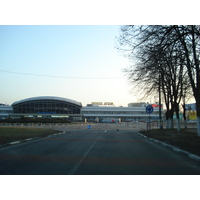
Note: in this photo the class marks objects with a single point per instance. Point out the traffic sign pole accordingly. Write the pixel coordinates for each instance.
(149, 109)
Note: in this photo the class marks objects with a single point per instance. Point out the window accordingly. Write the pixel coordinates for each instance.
(47, 106)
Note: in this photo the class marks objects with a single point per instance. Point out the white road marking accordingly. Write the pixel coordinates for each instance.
(78, 164)
(16, 142)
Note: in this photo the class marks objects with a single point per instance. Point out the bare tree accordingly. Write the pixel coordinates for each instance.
(189, 37)
(163, 59)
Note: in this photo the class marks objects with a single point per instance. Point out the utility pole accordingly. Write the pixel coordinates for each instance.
(160, 116)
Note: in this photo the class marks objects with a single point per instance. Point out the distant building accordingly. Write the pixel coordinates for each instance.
(47, 107)
(58, 107)
(138, 104)
(134, 112)
(5, 111)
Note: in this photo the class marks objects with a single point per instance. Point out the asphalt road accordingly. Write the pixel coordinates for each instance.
(94, 152)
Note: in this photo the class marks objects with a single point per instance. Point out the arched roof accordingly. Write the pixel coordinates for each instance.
(48, 98)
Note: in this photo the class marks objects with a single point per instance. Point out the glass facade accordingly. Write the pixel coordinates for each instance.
(47, 106)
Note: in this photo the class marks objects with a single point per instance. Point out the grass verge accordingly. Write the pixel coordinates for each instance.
(186, 139)
(9, 134)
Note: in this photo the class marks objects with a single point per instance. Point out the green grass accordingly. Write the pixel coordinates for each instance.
(9, 134)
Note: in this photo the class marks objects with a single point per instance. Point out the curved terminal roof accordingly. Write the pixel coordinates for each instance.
(48, 98)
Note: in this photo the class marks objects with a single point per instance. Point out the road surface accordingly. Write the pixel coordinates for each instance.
(94, 152)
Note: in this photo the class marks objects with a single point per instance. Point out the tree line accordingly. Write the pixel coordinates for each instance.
(165, 58)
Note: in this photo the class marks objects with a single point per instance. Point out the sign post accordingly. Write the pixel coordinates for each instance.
(149, 109)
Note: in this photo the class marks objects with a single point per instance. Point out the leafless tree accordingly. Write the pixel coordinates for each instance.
(166, 56)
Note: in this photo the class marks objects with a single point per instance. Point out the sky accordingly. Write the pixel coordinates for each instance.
(75, 59)
(78, 62)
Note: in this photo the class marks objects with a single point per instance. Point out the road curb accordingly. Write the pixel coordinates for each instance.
(194, 157)
(28, 139)
(190, 155)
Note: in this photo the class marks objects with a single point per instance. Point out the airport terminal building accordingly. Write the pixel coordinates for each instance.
(58, 107)
(5, 111)
(47, 107)
(134, 112)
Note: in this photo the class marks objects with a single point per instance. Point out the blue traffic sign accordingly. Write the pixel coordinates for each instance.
(89, 127)
(149, 109)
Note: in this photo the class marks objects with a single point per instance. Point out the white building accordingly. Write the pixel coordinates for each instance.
(134, 112)
(5, 111)
(56, 107)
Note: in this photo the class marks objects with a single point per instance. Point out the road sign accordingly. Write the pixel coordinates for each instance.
(149, 109)
(89, 127)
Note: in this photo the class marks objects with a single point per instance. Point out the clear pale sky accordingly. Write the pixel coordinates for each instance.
(82, 58)
(78, 62)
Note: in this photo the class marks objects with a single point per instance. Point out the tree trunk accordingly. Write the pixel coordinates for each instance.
(198, 116)
(184, 114)
(171, 124)
(178, 124)
(177, 117)
(167, 119)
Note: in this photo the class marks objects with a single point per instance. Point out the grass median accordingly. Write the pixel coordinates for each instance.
(186, 139)
(11, 134)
